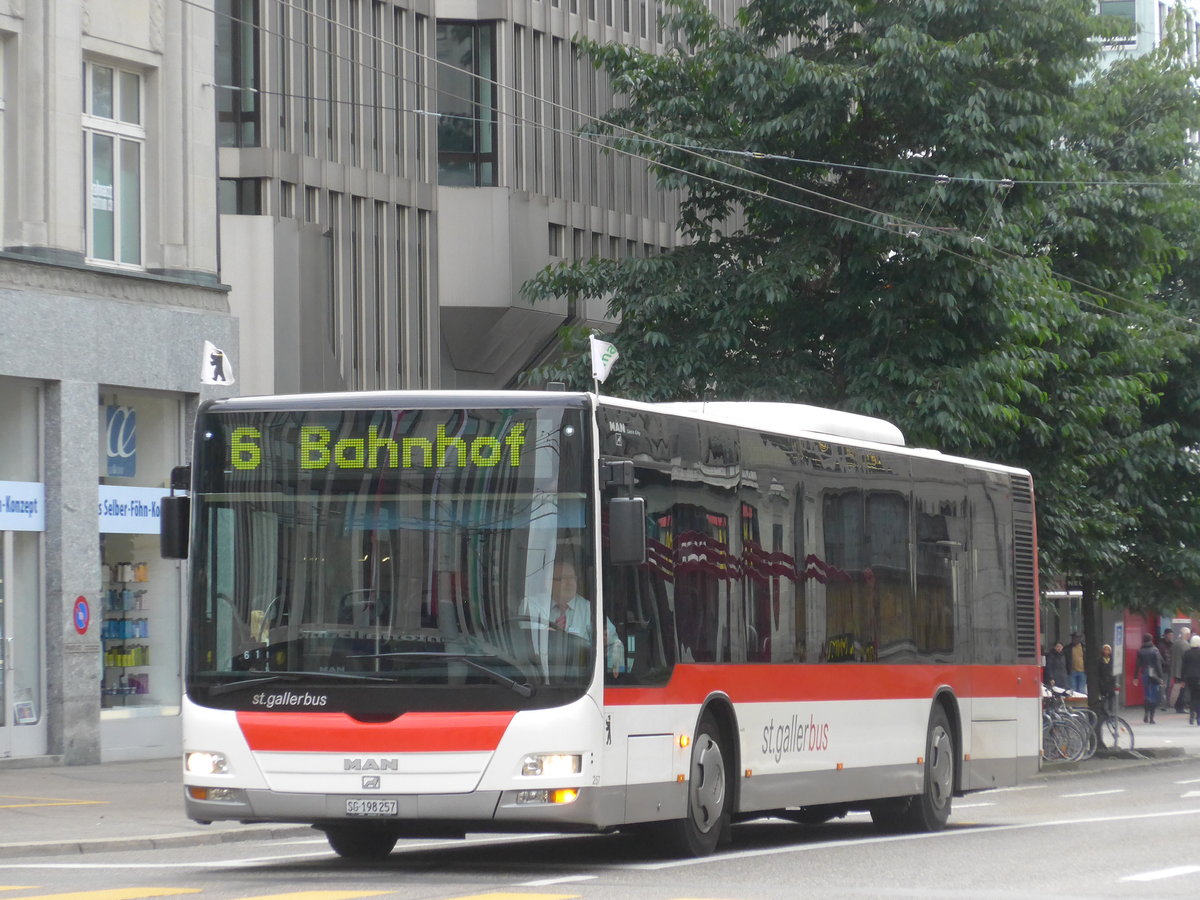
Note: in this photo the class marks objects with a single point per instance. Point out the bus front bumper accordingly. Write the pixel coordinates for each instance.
(411, 813)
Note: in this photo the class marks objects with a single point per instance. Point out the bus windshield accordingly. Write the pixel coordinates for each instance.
(380, 560)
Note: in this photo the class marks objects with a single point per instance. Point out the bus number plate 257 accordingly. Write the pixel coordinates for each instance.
(371, 807)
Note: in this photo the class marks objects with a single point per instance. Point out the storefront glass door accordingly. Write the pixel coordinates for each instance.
(22, 725)
(6, 643)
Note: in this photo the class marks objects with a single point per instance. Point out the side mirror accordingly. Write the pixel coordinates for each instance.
(627, 531)
(174, 527)
(175, 521)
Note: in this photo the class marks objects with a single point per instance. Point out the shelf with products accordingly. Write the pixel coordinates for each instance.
(126, 619)
(126, 685)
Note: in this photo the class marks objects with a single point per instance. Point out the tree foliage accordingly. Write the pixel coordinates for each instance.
(945, 214)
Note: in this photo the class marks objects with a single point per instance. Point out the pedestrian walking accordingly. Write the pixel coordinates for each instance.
(1191, 675)
(1055, 672)
(1166, 649)
(1179, 688)
(1149, 673)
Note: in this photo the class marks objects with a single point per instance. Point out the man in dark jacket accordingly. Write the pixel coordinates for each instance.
(1055, 672)
(1166, 647)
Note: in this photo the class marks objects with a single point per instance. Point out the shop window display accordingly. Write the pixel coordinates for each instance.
(136, 610)
(137, 629)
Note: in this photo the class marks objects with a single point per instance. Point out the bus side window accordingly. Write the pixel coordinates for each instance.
(635, 603)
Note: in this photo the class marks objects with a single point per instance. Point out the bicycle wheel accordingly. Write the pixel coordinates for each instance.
(1087, 721)
(1049, 749)
(1089, 715)
(1117, 733)
(1065, 741)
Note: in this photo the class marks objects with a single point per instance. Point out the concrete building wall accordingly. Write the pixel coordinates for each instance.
(425, 273)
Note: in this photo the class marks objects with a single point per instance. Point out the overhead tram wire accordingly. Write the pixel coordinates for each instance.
(601, 141)
(932, 176)
(894, 221)
(702, 153)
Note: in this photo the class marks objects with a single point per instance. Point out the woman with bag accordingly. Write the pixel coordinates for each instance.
(1149, 670)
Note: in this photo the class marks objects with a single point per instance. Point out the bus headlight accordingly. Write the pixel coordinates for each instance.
(555, 765)
(203, 762)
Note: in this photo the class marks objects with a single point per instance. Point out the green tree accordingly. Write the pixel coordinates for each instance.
(944, 214)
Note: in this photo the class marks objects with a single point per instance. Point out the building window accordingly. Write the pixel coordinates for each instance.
(287, 199)
(240, 197)
(1123, 8)
(238, 115)
(466, 103)
(114, 139)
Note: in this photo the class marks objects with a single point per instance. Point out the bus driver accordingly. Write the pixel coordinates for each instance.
(563, 609)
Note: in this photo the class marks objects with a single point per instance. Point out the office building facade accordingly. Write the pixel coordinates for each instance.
(393, 172)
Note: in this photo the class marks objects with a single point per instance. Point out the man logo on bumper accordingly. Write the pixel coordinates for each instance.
(370, 765)
(370, 782)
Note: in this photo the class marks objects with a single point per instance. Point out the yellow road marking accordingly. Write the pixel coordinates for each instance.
(45, 801)
(117, 894)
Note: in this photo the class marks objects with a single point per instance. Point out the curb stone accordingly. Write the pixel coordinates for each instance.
(152, 842)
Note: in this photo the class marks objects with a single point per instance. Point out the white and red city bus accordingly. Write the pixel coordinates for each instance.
(779, 611)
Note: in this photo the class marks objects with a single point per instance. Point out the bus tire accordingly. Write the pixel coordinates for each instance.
(708, 814)
(930, 809)
(360, 841)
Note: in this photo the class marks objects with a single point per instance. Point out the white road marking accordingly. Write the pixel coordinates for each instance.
(958, 806)
(1094, 793)
(1019, 787)
(547, 882)
(1162, 873)
(883, 839)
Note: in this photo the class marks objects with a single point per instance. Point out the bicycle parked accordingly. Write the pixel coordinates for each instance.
(1068, 732)
(1115, 732)
(1074, 733)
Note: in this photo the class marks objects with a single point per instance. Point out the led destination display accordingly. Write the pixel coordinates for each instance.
(318, 448)
(321, 449)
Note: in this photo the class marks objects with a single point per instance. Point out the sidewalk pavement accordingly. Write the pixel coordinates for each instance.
(64, 810)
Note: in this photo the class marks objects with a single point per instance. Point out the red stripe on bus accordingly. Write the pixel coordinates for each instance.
(759, 683)
(339, 733)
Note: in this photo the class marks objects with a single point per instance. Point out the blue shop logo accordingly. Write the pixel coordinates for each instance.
(121, 440)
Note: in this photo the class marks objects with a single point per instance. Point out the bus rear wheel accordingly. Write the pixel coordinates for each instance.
(708, 814)
(930, 809)
(360, 841)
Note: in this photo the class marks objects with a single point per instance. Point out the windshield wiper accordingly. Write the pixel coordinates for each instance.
(521, 687)
(230, 687)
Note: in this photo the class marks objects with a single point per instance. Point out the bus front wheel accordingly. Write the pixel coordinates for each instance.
(360, 841)
(708, 815)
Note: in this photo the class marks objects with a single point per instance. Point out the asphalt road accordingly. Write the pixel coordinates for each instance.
(1125, 833)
